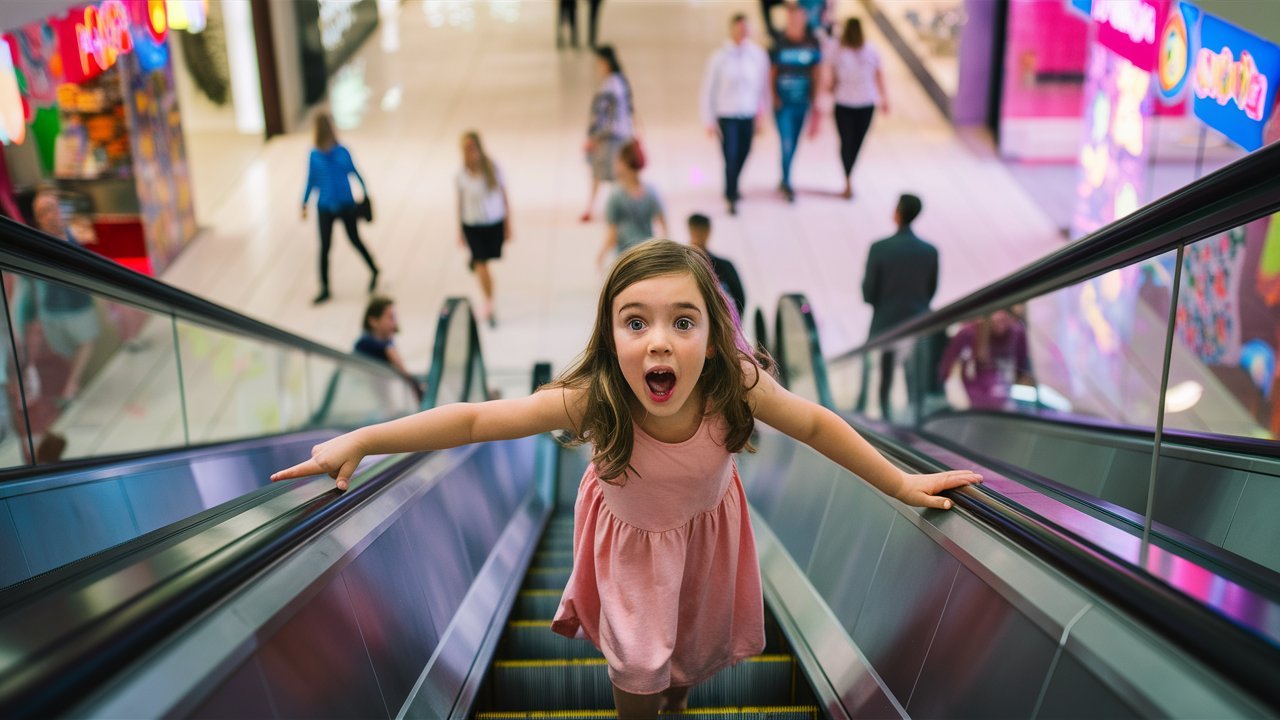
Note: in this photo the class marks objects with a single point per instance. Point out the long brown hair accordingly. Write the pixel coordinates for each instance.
(607, 421)
(852, 36)
(325, 137)
(486, 165)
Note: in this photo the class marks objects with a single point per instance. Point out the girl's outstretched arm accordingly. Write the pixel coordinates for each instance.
(442, 427)
(826, 432)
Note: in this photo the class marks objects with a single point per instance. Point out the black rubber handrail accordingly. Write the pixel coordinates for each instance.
(1241, 192)
(476, 374)
(1236, 651)
(812, 352)
(34, 253)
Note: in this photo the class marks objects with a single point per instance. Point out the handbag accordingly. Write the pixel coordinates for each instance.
(364, 209)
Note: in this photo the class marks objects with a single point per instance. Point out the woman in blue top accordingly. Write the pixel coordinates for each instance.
(330, 166)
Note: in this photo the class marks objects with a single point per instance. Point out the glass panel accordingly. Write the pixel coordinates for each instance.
(796, 360)
(14, 447)
(453, 378)
(236, 386)
(355, 395)
(99, 377)
(1223, 367)
(846, 382)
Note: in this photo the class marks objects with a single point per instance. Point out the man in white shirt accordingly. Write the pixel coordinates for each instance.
(735, 91)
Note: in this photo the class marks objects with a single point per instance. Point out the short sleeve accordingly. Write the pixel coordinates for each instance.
(655, 200)
(873, 57)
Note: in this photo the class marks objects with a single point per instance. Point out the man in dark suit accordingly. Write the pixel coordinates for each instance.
(899, 283)
(726, 273)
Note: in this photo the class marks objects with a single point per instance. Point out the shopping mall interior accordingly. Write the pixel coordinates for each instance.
(1096, 336)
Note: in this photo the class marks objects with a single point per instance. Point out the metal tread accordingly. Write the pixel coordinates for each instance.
(810, 711)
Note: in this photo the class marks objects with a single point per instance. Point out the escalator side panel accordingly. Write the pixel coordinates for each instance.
(955, 620)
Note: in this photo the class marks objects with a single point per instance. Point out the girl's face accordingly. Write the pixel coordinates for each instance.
(661, 330)
(602, 68)
(470, 153)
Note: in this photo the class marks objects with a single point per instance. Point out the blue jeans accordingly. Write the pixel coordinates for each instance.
(735, 141)
(790, 119)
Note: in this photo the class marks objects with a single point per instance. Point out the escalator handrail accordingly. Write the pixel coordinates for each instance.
(1238, 652)
(31, 252)
(813, 349)
(1241, 192)
(1234, 650)
(475, 370)
(51, 683)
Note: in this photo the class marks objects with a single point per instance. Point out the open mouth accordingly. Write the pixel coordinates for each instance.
(661, 383)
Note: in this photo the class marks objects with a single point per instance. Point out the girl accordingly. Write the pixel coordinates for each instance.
(484, 212)
(858, 86)
(665, 392)
(633, 206)
(327, 173)
(611, 122)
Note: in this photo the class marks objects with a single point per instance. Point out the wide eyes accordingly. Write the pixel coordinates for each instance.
(684, 324)
(635, 324)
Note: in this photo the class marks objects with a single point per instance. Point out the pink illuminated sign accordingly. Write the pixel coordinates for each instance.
(1131, 28)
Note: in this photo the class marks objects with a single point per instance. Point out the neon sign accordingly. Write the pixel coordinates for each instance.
(1233, 81)
(13, 121)
(92, 39)
(1130, 28)
(1221, 77)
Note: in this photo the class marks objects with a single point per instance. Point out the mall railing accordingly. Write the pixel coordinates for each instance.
(101, 362)
(107, 637)
(1241, 645)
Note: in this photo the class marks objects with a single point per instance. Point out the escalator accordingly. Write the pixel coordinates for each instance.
(425, 589)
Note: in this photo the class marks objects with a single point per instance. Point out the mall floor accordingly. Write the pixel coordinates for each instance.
(441, 68)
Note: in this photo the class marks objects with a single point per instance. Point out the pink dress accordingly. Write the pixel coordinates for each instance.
(665, 578)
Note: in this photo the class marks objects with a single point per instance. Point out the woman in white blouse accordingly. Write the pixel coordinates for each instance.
(858, 86)
(484, 212)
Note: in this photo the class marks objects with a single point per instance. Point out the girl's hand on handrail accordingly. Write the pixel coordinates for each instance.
(922, 490)
(336, 458)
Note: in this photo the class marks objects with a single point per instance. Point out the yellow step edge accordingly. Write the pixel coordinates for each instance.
(812, 710)
(541, 593)
(529, 623)
(567, 662)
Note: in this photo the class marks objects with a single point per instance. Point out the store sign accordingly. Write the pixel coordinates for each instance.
(92, 38)
(189, 15)
(1129, 28)
(1176, 50)
(13, 121)
(1234, 81)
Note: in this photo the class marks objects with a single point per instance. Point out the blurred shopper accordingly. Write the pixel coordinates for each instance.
(611, 122)
(330, 167)
(766, 14)
(378, 338)
(796, 56)
(726, 273)
(593, 21)
(735, 93)
(899, 283)
(993, 357)
(484, 212)
(858, 86)
(817, 16)
(633, 207)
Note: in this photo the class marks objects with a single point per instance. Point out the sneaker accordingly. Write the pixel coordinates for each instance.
(733, 207)
(322, 297)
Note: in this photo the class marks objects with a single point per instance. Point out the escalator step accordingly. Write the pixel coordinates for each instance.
(556, 544)
(562, 558)
(548, 578)
(535, 604)
(779, 712)
(533, 639)
(764, 680)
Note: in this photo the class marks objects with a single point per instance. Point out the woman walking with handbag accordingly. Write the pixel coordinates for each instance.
(330, 166)
(484, 212)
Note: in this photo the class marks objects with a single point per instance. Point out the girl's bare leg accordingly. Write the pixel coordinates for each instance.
(486, 287)
(635, 707)
(591, 200)
(675, 698)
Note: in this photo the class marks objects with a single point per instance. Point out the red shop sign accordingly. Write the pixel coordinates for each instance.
(90, 39)
(1131, 29)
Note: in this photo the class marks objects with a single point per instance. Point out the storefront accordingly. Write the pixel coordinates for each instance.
(101, 122)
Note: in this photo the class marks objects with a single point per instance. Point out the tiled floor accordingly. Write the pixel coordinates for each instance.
(493, 66)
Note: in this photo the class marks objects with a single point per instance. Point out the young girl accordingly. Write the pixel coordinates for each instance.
(665, 578)
(634, 206)
(484, 213)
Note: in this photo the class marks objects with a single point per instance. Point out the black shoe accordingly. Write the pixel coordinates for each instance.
(733, 207)
(493, 322)
(322, 297)
(788, 194)
(373, 281)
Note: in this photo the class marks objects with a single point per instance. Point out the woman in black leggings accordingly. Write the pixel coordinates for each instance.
(328, 168)
(858, 86)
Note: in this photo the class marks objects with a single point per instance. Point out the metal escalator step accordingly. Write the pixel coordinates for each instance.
(533, 639)
(778, 712)
(764, 680)
(562, 558)
(556, 544)
(534, 604)
(546, 578)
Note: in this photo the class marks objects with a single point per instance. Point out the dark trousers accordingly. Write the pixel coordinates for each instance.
(348, 216)
(852, 123)
(594, 7)
(735, 141)
(568, 16)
